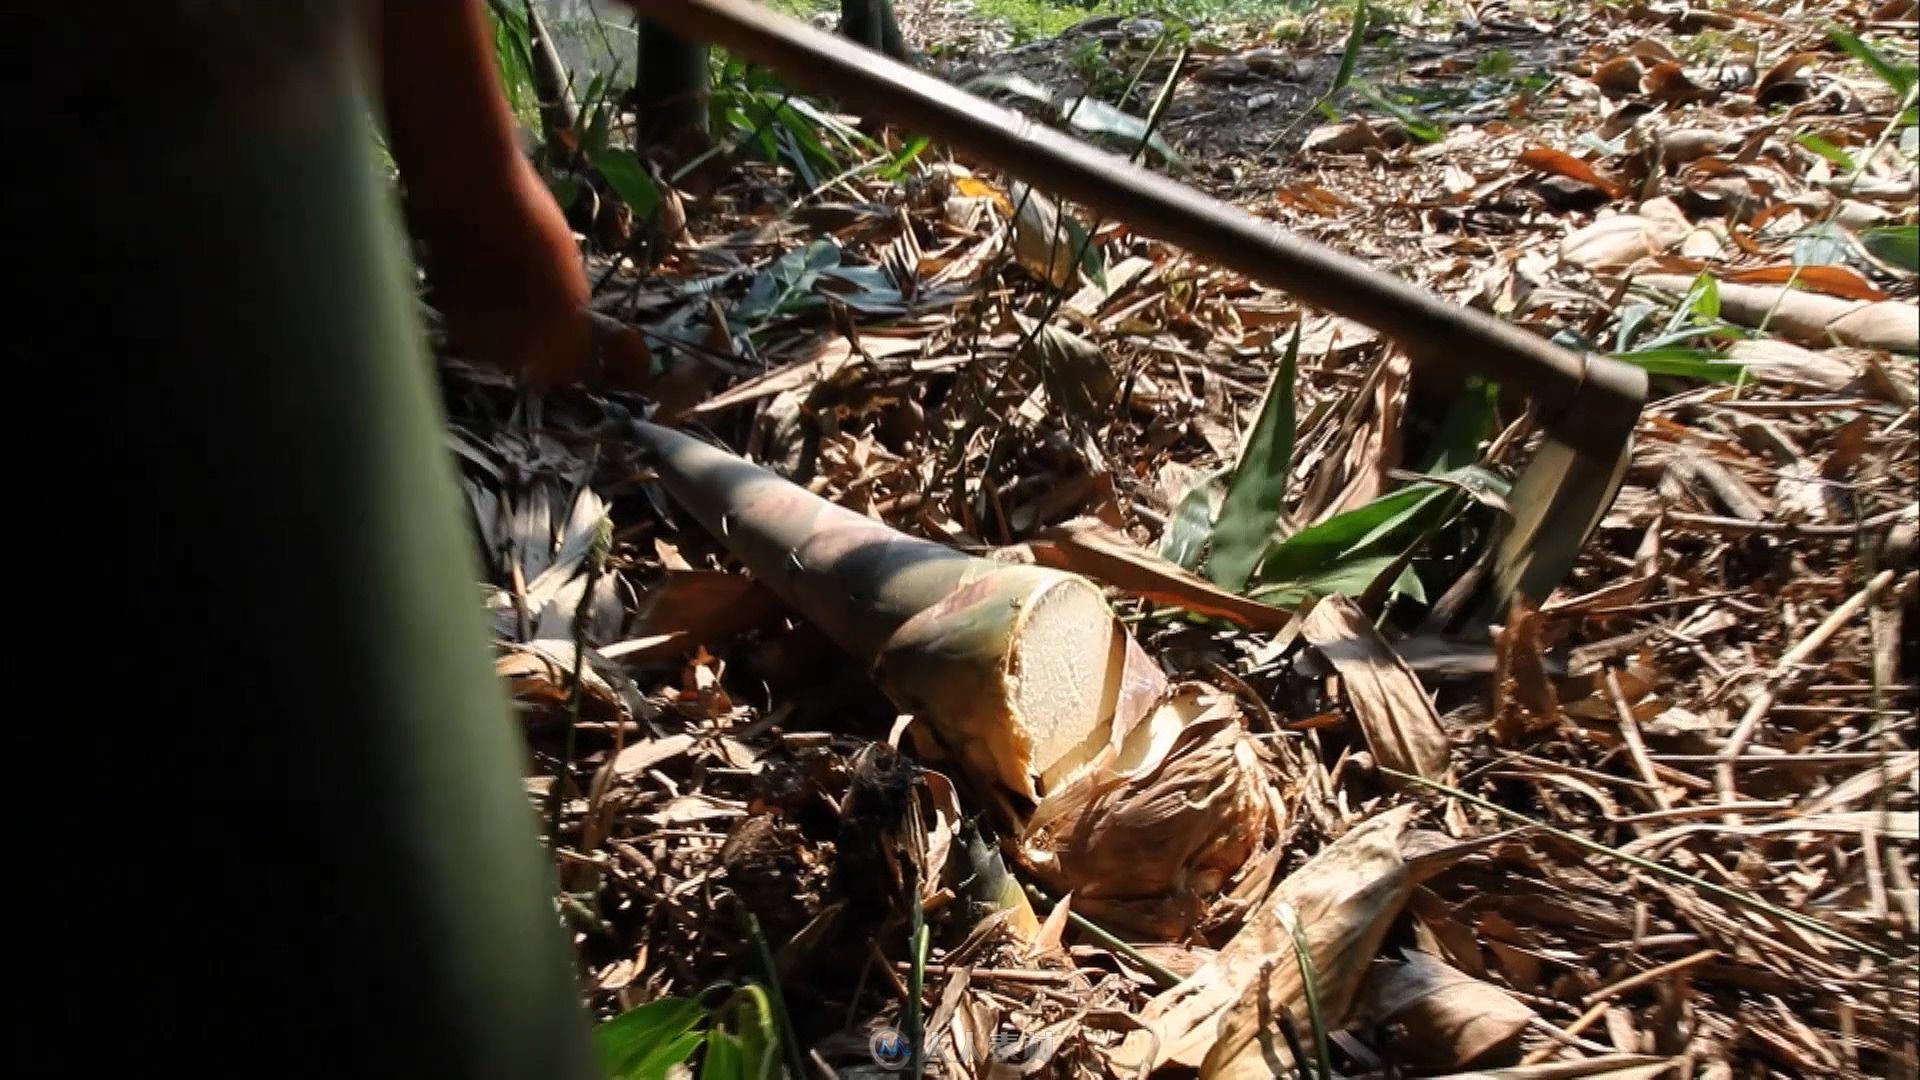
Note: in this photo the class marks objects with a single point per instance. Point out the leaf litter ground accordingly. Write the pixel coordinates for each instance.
(1664, 825)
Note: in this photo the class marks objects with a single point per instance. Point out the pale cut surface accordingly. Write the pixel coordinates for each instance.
(1063, 676)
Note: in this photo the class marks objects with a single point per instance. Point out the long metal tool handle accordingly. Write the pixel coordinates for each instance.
(1437, 334)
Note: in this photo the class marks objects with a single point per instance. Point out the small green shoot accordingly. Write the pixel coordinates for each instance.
(1840, 158)
(1258, 488)
(1900, 78)
(1898, 245)
(644, 1042)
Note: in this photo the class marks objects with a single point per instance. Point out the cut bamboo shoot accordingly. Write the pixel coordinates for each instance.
(1021, 671)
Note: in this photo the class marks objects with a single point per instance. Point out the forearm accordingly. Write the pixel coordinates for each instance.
(447, 121)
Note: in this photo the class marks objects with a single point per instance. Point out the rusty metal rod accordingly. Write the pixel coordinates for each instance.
(1436, 334)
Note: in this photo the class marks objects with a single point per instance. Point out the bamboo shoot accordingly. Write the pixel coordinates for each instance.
(1021, 671)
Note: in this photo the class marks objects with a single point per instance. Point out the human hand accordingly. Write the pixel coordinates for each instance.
(508, 278)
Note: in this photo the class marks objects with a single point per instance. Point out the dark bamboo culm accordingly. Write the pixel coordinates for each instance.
(346, 877)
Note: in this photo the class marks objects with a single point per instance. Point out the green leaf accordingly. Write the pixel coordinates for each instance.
(1186, 536)
(1351, 55)
(512, 54)
(1826, 150)
(1259, 485)
(724, 1059)
(629, 180)
(643, 1043)
(1685, 364)
(1468, 423)
(1093, 115)
(1690, 333)
(1321, 547)
(1348, 577)
(759, 1038)
(803, 132)
(1703, 300)
(1896, 244)
(593, 142)
(854, 139)
(797, 154)
(1900, 77)
(1416, 124)
(1632, 318)
(596, 90)
(785, 287)
(897, 168)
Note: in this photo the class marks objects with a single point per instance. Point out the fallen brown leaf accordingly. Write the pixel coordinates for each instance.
(1093, 549)
(1523, 694)
(1620, 76)
(1343, 900)
(1786, 68)
(1670, 82)
(1623, 239)
(1441, 1017)
(1401, 726)
(1560, 163)
(1839, 281)
(1809, 317)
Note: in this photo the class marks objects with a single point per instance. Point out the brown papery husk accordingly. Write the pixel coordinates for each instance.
(1221, 1019)
(966, 644)
(1147, 842)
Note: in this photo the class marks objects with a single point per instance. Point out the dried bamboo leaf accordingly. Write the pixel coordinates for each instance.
(1624, 239)
(1401, 725)
(1442, 1017)
(1809, 317)
(1523, 693)
(1220, 1019)
(1606, 1067)
(1090, 547)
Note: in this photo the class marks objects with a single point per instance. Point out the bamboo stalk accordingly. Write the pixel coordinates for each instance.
(1022, 671)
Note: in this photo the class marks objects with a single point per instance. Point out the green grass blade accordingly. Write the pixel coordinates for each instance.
(897, 168)
(1826, 150)
(1351, 576)
(1351, 55)
(916, 986)
(1468, 423)
(1259, 484)
(759, 1034)
(1896, 244)
(1899, 77)
(1685, 364)
(1416, 124)
(1310, 986)
(775, 1002)
(724, 1058)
